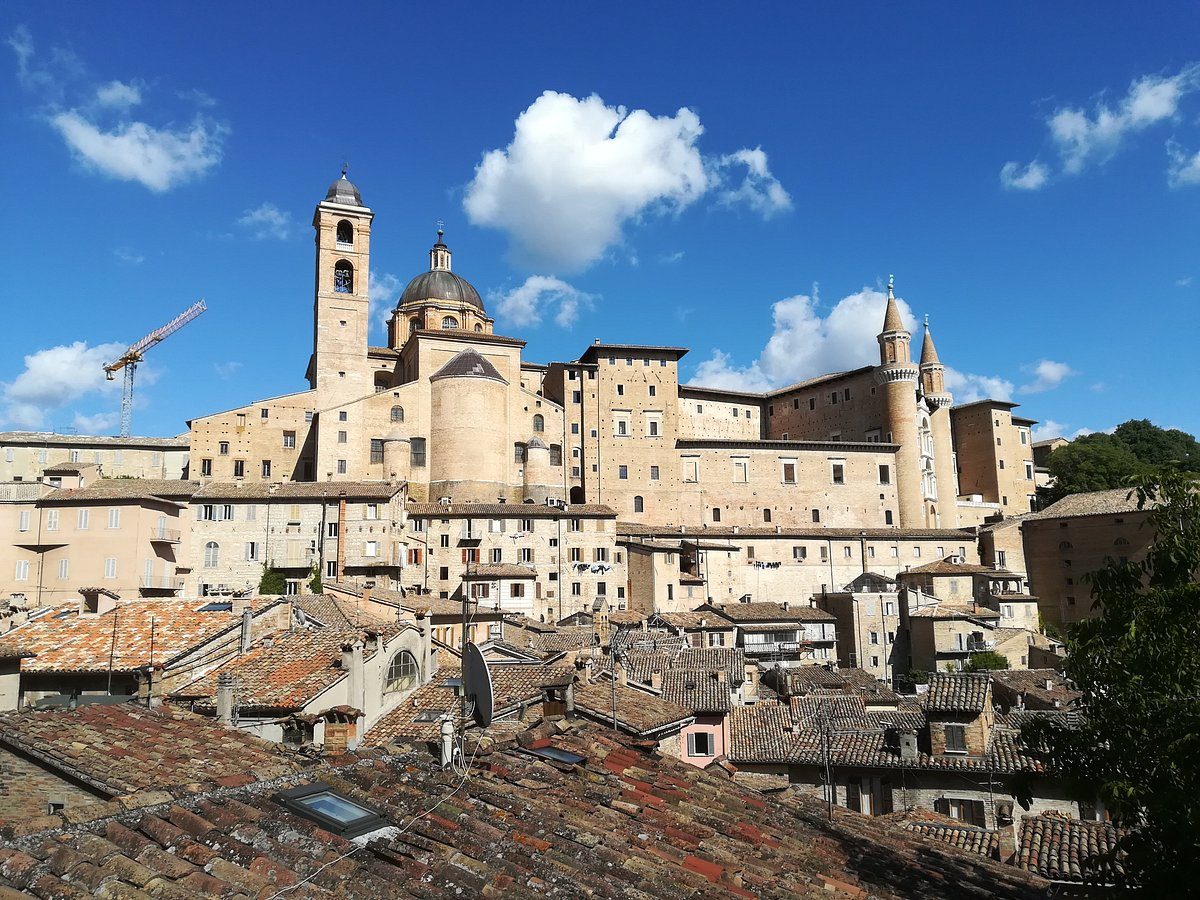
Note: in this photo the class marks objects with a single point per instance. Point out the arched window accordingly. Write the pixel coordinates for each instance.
(539, 423)
(413, 325)
(212, 555)
(639, 505)
(343, 277)
(816, 515)
(1065, 545)
(402, 674)
(576, 494)
(397, 414)
(478, 327)
(716, 514)
(449, 323)
(766, 514)
(345, 234)
(519, 454)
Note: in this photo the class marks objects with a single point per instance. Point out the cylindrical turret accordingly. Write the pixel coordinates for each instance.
(397, 457)
(898, 377)
(539, 476)
(468, 435)
(938, 400)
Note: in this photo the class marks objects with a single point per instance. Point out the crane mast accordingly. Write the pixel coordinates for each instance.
(130, 359)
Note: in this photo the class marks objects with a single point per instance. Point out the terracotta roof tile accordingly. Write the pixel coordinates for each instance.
(125, 489)
(767, 611)
(298, 490)
(508, 511)
(1093, 503)
(1063, 849)
(959, 692)
(639, 711)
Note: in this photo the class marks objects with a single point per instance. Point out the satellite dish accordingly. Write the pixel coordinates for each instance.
(477, 685)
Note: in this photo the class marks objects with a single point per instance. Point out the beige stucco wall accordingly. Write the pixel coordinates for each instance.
(23, 457)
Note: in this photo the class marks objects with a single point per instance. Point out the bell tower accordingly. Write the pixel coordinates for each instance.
(341, 308)
(898, 377)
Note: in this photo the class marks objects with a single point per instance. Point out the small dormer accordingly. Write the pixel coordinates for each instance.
(97, 601)
(959, 714)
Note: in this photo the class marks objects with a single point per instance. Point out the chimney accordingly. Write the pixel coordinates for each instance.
(352, 665)
(722, 677)
(656, 680)
(371, 643)
(1006, 826)
(447, 740)
(908, 745)
(225, 685)
(247, 630)
(239, 603)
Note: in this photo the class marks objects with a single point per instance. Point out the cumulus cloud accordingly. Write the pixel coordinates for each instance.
(1082, 137)
(525, 305)
(1183, 282)
(55, 378)
(1032, 177)
(804, 343)
(577, 170)
(119, 95)
(675, 257)
(1048, 375)
(158, 158)
(758, 189)
(226, 370)
(132, 257)
(382, 291)
(967, 388)
(268, 221)
(100, 423)
(1183, 168)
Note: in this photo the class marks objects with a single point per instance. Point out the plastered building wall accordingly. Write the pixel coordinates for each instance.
(23, 455)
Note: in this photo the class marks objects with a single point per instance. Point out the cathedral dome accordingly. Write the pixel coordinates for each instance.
(439, 283)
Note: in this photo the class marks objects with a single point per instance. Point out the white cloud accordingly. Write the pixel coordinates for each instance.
(1032, 177)
(1084, 137)
(1043, 431)
(804, 343)
(118, 95)
(967, 388)
(524, 305)
(268, 221)
(226, 370)
(759, 189)
(1183, 169)
(1183, 282)
(671, 257)
(158, 158)
(125, 255)
(382, 290)
(577, 170)
(100, 423)
(55, 378)
(1048, 375)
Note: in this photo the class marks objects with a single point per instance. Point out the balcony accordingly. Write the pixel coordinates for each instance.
(162, 583)
(978, 646)
(165, 536)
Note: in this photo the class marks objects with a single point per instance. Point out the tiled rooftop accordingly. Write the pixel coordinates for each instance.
(125, 489)
(121, 639)
(1063, 849)
(49, 438)
(122, 748)
(639, 529)
(508, 511)
(622, 823)
(1094, 503)
(298, 490)
(638, 711)
(983, 841)
(697, 691)
(1030, 686)
(948, 567)
(767, 611)
(960, 692)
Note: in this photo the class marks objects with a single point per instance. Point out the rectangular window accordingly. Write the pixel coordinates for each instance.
(889, 608)
(800, 553)
(23, 520)
(114, 517)
(600, 555)
(371, 549)
(343, 415)
(341, 437)
(418, 451)
(110, 567)
(239, 468)
(623, 472)
(376, 451)
(577, 396)
(654, 473)
(839, 473)
(52, 520)
(847, 552)
(266, 468)
(64, 569)
(574, 428)
(620, 390)
(691, 471)
(331, 529)
(526, 555)
(741, 471)
(576, 589)
(331, 569)
(516, 590)
(789, 472)
(206, 468)
(497, 554)
(289, 440)
(576, 554)
(251, 551)
(264, 413)
(82, 519)
(700, 743)
(885, 474)
(956, 738)
(341, 467)
(22, 570)
(652, 427)
(653, 392)
(223, 448)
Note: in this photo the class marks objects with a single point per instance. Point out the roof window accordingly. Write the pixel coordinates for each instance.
(334, 812)
(558, 755)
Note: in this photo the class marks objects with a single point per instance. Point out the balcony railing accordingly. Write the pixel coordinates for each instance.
(165, 535)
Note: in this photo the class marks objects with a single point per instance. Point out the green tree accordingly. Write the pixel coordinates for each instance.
(314, 582)
(1159, 447)
(986, 661)
(272, 581)
(1137, 664)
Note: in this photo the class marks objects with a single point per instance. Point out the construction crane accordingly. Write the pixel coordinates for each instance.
(130, 358)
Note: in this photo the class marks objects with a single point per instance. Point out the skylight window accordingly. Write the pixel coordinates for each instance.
(430, 715)
(334, 812)
(556, 754)
(217, 606)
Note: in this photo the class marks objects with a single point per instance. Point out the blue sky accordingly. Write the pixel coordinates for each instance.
(738, 183)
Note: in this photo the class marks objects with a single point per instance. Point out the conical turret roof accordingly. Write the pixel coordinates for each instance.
(929, 355)
(891, 318)
(468, 364)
